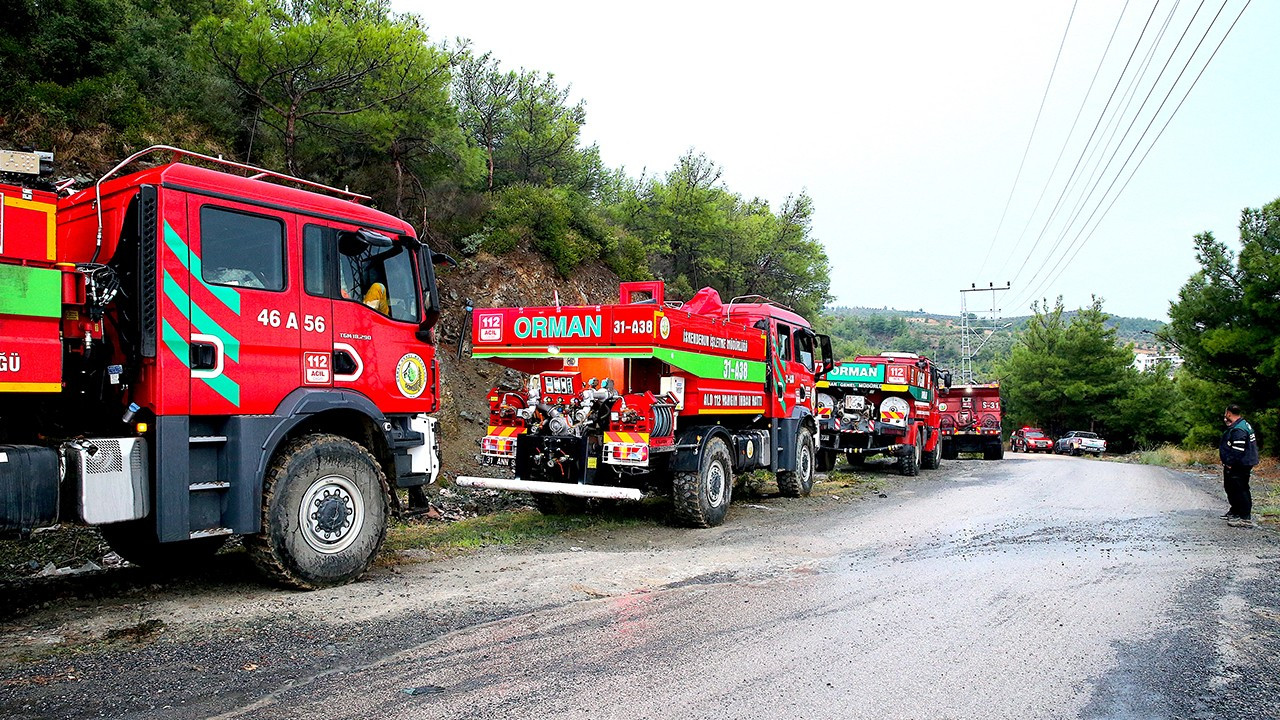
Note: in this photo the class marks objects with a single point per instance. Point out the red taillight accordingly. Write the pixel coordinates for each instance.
(497, 445)
(628, 452)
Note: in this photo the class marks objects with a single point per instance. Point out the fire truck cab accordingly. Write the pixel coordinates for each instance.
(200, 353)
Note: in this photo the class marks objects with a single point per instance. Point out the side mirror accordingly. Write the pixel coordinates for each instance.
(439, 258)
(828, 357)
(946, 379)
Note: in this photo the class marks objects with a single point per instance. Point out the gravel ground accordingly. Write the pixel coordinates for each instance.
(1036, 587)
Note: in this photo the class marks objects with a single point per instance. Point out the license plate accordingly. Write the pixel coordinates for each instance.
(499, 461)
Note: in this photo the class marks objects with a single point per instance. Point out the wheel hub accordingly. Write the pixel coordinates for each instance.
(715, 485)
(331, 514)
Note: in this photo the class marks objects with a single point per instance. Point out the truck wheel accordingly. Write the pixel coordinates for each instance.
(949, 451)
(931, 460)
(136, 542)
(549, 504)
(324, 513)
(855, 460)
(799, 482)
(909, 464)
(702, 496)
(826, 460)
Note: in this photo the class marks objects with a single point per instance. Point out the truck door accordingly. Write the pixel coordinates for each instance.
(245, 329)
(785, 367)
(375, 321)
(805, 366)
(315, 304)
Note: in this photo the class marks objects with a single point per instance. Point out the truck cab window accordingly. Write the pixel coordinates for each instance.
(382, 279)
(317, 259)
(804, 349)
(241, 250)
(784, 342)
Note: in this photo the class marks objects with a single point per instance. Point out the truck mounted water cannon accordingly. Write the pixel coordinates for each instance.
(650, 396)
(204, 349)
(883, 404)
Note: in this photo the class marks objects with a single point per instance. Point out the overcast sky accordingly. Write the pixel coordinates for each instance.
(907, 122)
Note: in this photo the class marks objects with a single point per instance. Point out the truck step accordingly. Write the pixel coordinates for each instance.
(197, 486)
(210, 532)
(195, 439)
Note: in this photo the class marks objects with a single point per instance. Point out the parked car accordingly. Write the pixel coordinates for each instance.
(1029, 439)
(1079, 442)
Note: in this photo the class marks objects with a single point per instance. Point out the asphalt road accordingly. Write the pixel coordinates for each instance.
(1035, 587)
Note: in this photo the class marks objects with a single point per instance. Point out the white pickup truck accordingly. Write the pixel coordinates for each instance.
(1079, 442)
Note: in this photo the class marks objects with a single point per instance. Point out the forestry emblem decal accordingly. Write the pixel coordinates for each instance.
(411, 375)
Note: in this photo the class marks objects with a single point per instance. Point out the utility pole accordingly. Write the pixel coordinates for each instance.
(985, 327)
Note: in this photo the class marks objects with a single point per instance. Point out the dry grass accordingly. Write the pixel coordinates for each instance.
(1172, 456)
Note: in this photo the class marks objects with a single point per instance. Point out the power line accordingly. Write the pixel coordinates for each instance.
(1034, 125)
(1094, 170)
(1120, 172)
(1067, 140)
(1101, 115)
(1078, 247)
(1096, 180)
(1096, 177)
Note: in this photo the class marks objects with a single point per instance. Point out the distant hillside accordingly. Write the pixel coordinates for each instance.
(863, 330)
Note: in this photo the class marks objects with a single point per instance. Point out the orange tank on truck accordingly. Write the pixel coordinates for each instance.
(883, 404)
(651, 396)
(203, 349)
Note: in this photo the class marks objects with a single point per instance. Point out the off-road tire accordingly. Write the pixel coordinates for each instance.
(136, 542)
(701, 497)
(826, 460)
(1077, 453)
(799, 482)
(909, 464)
(993, 452)
(931, 460)
(337, 477)
(551, 504)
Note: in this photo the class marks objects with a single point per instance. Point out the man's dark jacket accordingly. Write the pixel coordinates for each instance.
(1239, 446)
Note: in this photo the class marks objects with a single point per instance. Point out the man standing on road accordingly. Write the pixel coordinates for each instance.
(1239, 453)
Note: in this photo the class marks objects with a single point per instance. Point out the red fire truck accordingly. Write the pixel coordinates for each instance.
(650, 395)
(971, 421)
(884, 404)
(195, 353)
